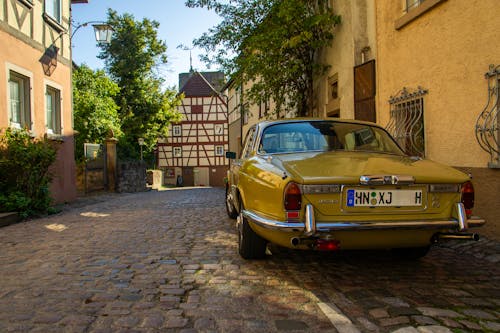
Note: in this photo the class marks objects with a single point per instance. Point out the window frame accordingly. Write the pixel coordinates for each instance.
(177, 152)
(57, 19)
(176, 130)
(413, 13)
(219, 150)
(28, 3)
(54, 124)
(26, 117)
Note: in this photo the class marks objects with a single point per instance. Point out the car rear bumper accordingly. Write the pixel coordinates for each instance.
(311, 226)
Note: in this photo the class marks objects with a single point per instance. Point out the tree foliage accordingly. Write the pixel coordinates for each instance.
(132, 59)
(95, 110)
(24, 172)
(272, 44)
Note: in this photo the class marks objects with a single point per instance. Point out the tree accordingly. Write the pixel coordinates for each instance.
(95, 110)
(273, 44)
(132, 59)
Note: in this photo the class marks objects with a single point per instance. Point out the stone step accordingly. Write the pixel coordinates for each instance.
(9, 218)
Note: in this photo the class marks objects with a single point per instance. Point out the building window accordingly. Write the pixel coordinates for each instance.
(177, 130)
(219, 150)
(333, 100)
(219, 129)
(410, 4)
(19, 100)
(53, 110)
(264, 108)
(53, 9)
(406, 124)
(414, 9)
(177, 152)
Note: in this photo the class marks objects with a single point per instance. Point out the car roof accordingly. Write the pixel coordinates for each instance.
(267, 123)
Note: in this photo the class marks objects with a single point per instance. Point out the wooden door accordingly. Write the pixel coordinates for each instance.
(188, 176)
(364, 91)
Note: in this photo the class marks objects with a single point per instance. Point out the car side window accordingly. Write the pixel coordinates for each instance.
(249, 140)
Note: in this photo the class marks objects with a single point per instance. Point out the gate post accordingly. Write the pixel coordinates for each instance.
(111, 159)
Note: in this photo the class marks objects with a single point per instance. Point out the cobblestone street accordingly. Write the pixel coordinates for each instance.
(167, 262)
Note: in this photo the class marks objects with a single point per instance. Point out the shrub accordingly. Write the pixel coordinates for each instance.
(24, 172)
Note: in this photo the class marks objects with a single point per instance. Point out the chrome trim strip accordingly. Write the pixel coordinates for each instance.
(444, 188)
(462, 217)
(386, 180)
(360, 225)
(310, 223)
(320, 189)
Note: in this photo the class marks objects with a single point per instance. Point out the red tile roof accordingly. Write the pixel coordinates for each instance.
(198, 85)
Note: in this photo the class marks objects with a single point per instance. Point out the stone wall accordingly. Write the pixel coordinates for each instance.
(131, 176)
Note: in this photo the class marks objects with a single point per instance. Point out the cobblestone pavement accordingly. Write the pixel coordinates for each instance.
(167, 262)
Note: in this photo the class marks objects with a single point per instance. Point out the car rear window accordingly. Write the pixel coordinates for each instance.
(308, 136)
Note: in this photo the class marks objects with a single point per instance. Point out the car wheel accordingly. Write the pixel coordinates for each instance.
(411, 253)
(230, 210)
(250, 245)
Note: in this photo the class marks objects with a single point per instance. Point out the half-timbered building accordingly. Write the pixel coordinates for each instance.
(194, 152)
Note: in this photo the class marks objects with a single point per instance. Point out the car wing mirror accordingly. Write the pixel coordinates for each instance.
(231, 155)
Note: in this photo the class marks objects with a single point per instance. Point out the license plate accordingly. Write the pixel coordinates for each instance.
(384, 198)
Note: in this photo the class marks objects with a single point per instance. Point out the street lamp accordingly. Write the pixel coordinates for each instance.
(141, 143)
(102, 30)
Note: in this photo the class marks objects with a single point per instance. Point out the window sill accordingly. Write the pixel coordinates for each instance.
(416, 12)
(27, 3)
(55, 137)
(53, 23)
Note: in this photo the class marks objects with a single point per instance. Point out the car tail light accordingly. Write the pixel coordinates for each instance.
(468, 197)
(293, 197)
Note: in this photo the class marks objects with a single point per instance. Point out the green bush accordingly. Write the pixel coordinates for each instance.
(24, 172)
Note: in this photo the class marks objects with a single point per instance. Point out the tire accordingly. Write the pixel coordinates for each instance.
(250, 245)
(411, 253)
(230, 210)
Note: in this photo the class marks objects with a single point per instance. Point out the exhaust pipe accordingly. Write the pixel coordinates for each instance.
(463, 236)
(295, 241)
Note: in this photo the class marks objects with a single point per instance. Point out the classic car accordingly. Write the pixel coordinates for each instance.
(331, 184)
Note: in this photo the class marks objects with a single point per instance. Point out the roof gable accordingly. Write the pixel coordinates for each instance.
(199, 86)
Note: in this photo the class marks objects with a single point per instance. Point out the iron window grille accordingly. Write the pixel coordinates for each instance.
(488, 123)
(406, 124)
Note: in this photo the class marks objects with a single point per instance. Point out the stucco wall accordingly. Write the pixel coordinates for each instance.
(21, 53)
(447, 50)
(355, 33)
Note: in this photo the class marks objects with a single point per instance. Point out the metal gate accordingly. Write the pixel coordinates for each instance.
(95, 175)
(364, 91)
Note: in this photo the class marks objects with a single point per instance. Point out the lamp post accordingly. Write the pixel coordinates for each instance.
(141, 143)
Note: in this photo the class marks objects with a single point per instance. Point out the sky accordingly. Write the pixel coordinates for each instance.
(178, 25)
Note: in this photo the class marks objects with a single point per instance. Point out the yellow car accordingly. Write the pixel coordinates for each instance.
(330, 184)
